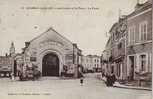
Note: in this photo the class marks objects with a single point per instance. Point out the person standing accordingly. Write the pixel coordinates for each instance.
(113, 78)
(108, 80)
(12, 76)
(81, 81)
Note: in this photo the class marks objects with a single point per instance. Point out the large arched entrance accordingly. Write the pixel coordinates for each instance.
(50, 65)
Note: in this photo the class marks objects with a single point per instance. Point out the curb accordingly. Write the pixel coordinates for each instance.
(130, 87)
(147, 89)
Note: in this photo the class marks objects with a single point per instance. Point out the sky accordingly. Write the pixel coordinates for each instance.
(85, 26)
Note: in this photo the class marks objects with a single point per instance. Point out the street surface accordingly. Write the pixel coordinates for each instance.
(57, 88)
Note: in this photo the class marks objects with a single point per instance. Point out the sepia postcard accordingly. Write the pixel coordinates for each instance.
(76, 49)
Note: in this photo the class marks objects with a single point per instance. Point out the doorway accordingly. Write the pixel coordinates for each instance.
(132, 62)
(50, 65)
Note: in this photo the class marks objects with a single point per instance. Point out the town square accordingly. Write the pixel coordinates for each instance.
(69, 88)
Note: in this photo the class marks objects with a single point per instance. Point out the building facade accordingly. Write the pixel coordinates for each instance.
(6, 66)
(105, 58)
(50, 51)
(91, 63)
(139, 37)
(117, 59)
(7, 62)
(114, 55)
(131, 45)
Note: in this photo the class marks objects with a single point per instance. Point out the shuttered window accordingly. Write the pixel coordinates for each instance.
(143, 31)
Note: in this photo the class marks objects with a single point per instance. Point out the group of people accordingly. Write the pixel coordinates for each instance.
(109, 79)
(30, 73)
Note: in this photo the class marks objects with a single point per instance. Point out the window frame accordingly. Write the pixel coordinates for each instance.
(146, 62)
(131, 31)
(143, 31)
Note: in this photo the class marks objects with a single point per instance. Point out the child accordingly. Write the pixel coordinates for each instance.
(81, 81)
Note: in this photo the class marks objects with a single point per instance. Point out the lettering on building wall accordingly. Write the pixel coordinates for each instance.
(33, 59)
(52, 43)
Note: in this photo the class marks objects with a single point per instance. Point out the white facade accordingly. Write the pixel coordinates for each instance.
(51, 42)
(87, 63)
(91, 62)
(96, 61)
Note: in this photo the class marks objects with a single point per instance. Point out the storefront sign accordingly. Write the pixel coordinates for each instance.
(33, 59)
(52, 43)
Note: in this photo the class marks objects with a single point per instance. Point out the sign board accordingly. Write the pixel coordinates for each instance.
(33, 59)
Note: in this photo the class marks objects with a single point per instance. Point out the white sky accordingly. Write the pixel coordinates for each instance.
(87, 28)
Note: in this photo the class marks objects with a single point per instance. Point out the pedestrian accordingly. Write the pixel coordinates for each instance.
(104, 78)
(81, 81)
(81, 78)
(103, 74)
(112, 79)
(108, 80)
(12, 76)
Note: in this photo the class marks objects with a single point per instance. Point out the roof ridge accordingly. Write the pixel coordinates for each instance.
(50, 28)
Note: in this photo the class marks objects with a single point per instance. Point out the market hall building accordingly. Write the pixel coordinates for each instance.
(50, 51)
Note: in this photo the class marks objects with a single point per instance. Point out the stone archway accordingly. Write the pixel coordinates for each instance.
(50, 65)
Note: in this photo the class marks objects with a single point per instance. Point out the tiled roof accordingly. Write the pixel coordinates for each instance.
(141, 8)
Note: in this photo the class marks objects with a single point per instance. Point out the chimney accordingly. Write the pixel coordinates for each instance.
(27, 44)
(138, 5)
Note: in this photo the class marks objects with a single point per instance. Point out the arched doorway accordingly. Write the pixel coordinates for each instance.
(50, 65)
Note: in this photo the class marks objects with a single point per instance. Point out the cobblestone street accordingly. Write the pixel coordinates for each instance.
(57, 88)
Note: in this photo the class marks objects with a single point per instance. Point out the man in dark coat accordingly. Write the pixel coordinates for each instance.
(113, 78)
(108, 80)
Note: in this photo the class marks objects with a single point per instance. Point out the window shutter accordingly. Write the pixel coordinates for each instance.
(150, 69)
(147, 65)
(137, 63)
